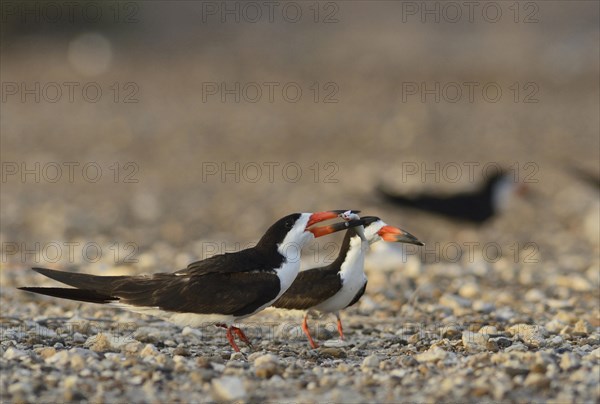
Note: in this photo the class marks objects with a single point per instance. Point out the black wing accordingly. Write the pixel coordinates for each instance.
(214, 293)
(249, 260)
(236, 294)
(358, 295)
(310, 288)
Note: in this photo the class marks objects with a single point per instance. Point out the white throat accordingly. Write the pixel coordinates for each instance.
(353, 277)
(354, 264)
(291, 249)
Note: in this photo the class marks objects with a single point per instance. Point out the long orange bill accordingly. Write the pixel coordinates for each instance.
(394, 234)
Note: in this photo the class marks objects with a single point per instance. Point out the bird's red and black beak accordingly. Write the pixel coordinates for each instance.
(394, 234)
(322, 216)
(332, 228)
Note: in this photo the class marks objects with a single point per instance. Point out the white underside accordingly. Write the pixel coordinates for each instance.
(353, 278)
(181, 319)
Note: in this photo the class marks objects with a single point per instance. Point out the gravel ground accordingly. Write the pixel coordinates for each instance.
(514, 317)
(438, 332)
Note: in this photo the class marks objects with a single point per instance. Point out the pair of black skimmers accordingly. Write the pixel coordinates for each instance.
(226, 288)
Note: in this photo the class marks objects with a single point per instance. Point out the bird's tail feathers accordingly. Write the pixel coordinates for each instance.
(81, 295)
(81, 281)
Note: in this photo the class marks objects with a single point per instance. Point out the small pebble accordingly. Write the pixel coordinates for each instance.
(534, 295)
(370, 362)
(502, 342)
(431, 355)
(532, 335)
(47, 352)
(149, 350)
(488, 329)
(569, 361)
(14, 353)
(228, 388)
(474, 342)
(237, 356)
(582, 328)
(537, 380)
(332, 352)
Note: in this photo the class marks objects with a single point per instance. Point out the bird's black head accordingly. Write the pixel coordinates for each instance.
(292, 230)
(369, 219)
(278, 230)
(354, 231)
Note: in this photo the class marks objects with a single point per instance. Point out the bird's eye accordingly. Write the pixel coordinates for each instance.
(289, 225)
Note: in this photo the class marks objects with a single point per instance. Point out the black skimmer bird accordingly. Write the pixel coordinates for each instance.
(342, 283)
(219, 290)
(475, 207)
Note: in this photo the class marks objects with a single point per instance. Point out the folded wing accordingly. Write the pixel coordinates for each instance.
(230, 293)
(322, 284)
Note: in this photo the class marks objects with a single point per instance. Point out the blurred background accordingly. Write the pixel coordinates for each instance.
(162, 132)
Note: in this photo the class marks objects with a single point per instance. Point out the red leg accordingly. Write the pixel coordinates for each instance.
(241, 336)
(231, 339)
(339, 326)
(237, 332)
(307, 332)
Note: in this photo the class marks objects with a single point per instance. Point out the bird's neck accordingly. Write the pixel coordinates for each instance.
(354, 262)
(350, 259)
